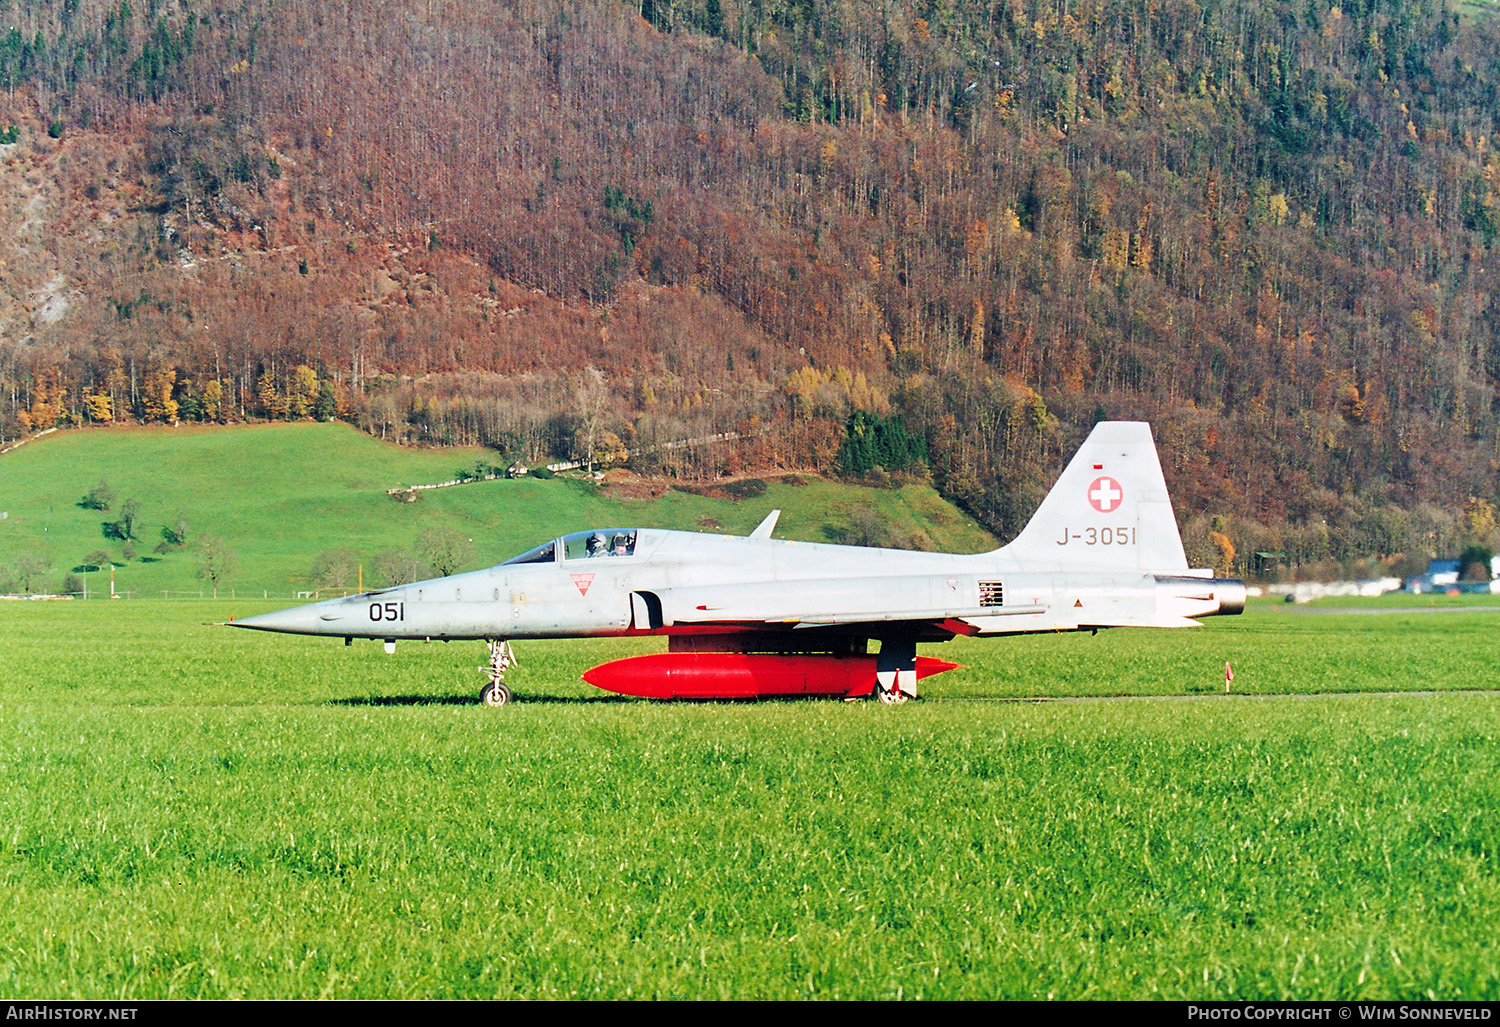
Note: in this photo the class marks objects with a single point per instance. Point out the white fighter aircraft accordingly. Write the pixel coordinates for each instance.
(757, 617)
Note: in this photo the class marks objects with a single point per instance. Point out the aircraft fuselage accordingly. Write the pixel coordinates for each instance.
(685, 583)
(760, 616)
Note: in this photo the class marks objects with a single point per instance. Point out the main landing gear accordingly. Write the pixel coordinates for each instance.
(896, 671)
(502, 658)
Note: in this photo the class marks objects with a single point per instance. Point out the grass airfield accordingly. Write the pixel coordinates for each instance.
(194, 811)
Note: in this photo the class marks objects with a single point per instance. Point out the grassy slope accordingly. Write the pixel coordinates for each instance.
(196, 811)
(281, 494)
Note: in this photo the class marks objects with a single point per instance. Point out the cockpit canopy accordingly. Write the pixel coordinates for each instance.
(582, 545)
(544, 553)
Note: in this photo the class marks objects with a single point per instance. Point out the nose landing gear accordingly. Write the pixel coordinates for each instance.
(502, 658)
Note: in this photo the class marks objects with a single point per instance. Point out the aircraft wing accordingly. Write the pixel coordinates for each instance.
(949, 604)
(820, 602)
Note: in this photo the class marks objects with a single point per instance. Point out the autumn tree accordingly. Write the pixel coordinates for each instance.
(26, 567)
(398, 567)
(213, 400)
(445, 550)
(99, 408)
(124, 526)
(157, 403)
(173, 536)
(302, 391)
(1218, 535)
(217, 561)
(100, 497)
(273, 401)
(334, 569)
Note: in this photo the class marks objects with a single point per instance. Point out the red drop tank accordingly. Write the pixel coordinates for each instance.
(745, 675)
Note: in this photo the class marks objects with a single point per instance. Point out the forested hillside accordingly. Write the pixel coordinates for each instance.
(964, 231)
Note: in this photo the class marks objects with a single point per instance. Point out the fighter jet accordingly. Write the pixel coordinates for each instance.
(756, 617)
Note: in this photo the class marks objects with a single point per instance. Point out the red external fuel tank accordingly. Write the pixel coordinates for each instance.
(745, 675)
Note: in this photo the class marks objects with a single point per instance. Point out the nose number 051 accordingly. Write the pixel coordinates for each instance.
(387, 611)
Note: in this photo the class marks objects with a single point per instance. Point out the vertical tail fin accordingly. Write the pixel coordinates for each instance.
(1108, 512)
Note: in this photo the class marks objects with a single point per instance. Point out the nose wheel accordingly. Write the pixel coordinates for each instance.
(502, 658)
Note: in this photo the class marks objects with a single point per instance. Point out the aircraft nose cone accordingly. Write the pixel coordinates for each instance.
(298, 620)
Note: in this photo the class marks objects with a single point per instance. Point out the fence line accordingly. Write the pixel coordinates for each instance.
(518, 470)
(17, 443)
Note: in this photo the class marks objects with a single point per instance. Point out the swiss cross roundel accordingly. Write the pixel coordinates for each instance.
(1105, 494)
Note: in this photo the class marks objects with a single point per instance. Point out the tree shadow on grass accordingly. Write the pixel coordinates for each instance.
(403, 700)
(555, 700)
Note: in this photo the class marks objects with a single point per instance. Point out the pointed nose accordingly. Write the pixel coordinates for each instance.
(315, 619)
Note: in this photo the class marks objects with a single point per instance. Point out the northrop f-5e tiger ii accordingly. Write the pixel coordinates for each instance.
(757, 617)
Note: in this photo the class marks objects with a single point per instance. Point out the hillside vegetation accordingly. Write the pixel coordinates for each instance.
(586, 228)
(303, 507)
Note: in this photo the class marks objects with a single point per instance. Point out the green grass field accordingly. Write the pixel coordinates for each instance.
(193, 811)
(281, 494)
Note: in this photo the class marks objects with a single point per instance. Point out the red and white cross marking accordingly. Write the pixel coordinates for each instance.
(1105, 494)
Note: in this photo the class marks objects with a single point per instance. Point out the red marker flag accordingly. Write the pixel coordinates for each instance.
(1228, 675)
